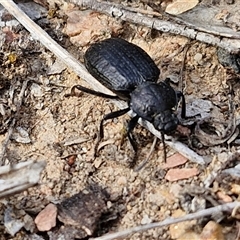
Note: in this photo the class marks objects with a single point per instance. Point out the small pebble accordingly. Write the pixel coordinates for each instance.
(46, 219)
(146, 220)
(198, 57)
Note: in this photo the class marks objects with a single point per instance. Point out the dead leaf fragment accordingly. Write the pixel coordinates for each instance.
(180, 6)
(212, 231)
(46, 219)
(179, 174)
(81, 213)
(174, 161)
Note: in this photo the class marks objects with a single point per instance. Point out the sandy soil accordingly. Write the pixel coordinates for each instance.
(62, 130)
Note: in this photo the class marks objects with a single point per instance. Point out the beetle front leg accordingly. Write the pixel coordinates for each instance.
(131, 125)
(106, 117)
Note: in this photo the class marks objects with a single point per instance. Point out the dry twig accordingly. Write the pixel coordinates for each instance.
(228, 41)
(19, 177)
(228, 207)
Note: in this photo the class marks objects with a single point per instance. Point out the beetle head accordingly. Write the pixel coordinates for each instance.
(165, 121)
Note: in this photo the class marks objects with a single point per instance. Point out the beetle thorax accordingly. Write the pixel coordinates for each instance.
(155, 102)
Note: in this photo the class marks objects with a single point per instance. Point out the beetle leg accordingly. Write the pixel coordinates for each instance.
(180, 95)
(106, 117)
(90, 91)
(164, 147)
(131, 125)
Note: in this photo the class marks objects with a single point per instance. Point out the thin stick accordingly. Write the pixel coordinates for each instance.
(228, 207)
(186, 47)
(227, 40)
(39, 34)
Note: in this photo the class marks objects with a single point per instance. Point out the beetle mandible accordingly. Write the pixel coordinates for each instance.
(129, 72)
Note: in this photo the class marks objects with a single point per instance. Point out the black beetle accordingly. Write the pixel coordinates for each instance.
(132, 75)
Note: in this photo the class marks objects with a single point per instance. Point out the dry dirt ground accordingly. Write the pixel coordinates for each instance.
(62, 130)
